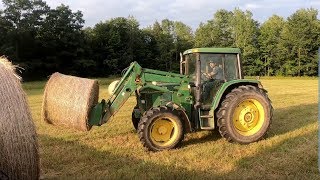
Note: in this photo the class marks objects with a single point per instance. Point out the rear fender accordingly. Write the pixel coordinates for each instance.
(228, 86)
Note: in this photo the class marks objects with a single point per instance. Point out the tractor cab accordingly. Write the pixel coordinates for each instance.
(209, 68)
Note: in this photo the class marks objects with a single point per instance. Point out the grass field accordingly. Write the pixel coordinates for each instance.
(113, 151)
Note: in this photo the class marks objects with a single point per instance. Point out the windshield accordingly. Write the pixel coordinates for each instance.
(218, 66)
(213, 66)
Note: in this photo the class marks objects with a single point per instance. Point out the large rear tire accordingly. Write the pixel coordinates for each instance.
(245, 115)
(160, 129)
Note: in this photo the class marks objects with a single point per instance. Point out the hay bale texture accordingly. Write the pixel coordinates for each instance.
(19, 158)
(68, 101)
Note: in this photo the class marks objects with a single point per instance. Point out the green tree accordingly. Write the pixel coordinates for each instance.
(203, 37)
(183, 40)
(116, 43)
(61, 40)
(172, 38)
(165, 44)
(22, 18)
(183, 36)
(245, 34)
(216, 32)
(299, 43)
(42, 40)
(269, 39)
(6, 28)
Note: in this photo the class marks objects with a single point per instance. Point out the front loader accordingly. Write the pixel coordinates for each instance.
(170, 105)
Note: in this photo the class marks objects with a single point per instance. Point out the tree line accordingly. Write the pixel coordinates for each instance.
(43, 40)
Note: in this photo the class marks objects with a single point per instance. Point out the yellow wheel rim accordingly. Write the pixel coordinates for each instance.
(164, 131)
(248, 117)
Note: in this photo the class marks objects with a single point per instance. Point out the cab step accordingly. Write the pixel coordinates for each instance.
(206, 120)
(206, 116)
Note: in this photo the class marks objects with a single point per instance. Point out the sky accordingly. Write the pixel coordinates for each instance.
(190, 12)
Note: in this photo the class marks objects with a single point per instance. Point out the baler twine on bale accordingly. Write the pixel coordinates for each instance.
(19, 157)
(68, 100)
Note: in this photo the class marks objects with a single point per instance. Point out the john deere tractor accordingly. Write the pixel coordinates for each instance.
(209, 93)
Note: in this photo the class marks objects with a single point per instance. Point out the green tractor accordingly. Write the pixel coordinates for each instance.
(209, 93)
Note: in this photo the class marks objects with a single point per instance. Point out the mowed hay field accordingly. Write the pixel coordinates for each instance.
(113, 151)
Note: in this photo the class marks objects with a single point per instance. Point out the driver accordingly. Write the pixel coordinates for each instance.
(214, 76)
(216, 71)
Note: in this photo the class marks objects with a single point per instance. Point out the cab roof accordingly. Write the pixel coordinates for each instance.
(213, 50)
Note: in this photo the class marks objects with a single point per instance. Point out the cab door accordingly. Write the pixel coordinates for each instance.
(212, 75)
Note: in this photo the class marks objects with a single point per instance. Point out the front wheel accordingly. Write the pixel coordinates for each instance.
(245, 115)
(160, 129)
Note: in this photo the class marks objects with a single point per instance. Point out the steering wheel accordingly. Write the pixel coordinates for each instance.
(204, 76)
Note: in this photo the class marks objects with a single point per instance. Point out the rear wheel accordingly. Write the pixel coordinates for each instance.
(160, 129)
(245, 115)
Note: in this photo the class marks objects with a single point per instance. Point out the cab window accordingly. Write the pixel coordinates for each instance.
(211, 66)
(190, 66)
(231, 67)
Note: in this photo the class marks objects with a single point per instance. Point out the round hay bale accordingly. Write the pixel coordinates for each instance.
(19, 157)
(68, 100)
(112, 86)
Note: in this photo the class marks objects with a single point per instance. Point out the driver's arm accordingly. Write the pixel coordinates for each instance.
(212, 74)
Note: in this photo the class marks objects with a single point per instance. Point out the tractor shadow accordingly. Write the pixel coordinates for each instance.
(205, 137)
(291, 118)
(62, 159)
(293, 157)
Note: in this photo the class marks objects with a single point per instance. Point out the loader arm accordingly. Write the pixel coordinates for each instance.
(102, 112)
(135, 78)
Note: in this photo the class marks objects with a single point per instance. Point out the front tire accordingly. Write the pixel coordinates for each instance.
(160, 129)
(245, 115)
